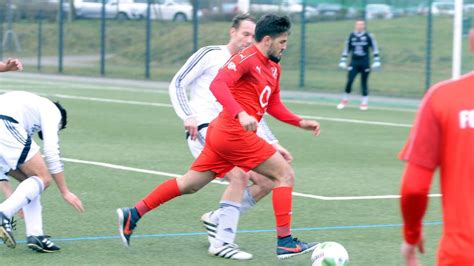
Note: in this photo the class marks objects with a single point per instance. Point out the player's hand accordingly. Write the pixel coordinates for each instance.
(248, 122)
(13, 65)
(343, 65)
(190, 125)
(311, 125)
(72, 199)
(284, 152)
(376, 65)
(409, 253)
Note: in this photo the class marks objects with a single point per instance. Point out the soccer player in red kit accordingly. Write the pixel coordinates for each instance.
(247, 86)
(443, 135)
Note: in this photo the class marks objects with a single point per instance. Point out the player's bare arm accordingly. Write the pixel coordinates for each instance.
(67, 195)
(11, 65)
(311, 125)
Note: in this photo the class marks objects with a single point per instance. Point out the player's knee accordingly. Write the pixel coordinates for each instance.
(288, 177)
(46, 178)
(238, 181)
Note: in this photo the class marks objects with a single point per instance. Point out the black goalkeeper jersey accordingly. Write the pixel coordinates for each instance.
(358, 44)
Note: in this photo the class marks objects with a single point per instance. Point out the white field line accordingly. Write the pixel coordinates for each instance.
(54, 84)
(332, 119)
(159, 173)
(395, 109)
(73, 87)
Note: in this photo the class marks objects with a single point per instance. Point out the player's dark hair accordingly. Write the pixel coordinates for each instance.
(237, 20)
(63, 115)
(272, 25)
(63, 118)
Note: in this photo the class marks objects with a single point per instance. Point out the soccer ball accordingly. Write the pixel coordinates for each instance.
(330, 254)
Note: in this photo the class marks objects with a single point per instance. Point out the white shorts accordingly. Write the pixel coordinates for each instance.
(196, 146)
(16, 147)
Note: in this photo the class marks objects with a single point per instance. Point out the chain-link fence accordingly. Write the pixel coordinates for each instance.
(144, 39)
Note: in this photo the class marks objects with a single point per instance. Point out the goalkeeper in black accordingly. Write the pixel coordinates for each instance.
(359, 43)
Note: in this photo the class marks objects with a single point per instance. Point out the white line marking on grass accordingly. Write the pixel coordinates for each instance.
(159, 173)
(332, 119)
(110, 100)
(356, 121)
(395, 109)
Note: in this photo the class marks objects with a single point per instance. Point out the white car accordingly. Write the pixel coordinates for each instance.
(93, 8)
(373, 11)
(290, 7)
(175, 10)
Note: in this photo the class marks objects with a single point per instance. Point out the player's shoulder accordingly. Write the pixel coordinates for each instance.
(450, 89)
(210, 50)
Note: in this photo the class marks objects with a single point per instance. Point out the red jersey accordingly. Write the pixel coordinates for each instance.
(443, 135)
(249, 82)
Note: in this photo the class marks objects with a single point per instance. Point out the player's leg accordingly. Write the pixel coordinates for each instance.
(191, 182)
(364, 104)
(351, 74)
(33, 216)
(222, 223)
(277, 168)
(18, 150)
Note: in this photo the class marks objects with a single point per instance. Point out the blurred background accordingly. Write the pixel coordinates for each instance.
(151, 39)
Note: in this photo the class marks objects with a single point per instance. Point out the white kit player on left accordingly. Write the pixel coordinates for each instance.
(22, 114)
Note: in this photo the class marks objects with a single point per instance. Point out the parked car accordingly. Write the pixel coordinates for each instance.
(437, 8)
(290, 7)
(374, 11)
(93, 9)
(175, 10)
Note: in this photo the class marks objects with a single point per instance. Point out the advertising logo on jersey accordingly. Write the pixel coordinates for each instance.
(265, 96)
(231, 66)
(274, 72)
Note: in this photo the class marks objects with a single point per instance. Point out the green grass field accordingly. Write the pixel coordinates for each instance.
(354, 157)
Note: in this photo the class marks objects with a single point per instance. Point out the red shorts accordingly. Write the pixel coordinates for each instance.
(224, 150)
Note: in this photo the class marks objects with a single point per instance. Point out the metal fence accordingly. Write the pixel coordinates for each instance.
(415, 44)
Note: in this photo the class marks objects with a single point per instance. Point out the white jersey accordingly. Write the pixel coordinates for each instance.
(35, 113)
(196, 75)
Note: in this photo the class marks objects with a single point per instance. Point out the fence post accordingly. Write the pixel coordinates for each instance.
(61, 36)
(102, 39)
(303, 46)
(40, 39)
(195, 25)
(148, 40)
(429, 39)
(1, 32)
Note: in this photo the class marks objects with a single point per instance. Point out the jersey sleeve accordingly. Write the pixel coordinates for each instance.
(375, 46)
(347, 48)
(265, 133)
(278, 110)
(416, 182)
(227, 76)
(192, 69)
(50, 120)
(424, 142)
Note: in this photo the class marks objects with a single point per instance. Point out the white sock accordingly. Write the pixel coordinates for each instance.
(365, 100)
(26, 191)
(34, 217)
(228, 219)
(248, 201)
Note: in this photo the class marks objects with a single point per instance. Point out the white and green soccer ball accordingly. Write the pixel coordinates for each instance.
(330, 254)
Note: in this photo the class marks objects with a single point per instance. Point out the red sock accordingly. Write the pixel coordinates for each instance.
(161, 194)
(282, 201)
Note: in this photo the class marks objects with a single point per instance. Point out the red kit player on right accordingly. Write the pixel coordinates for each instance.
(442, 135)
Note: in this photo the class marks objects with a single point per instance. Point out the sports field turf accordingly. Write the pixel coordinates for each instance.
(122, 141)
